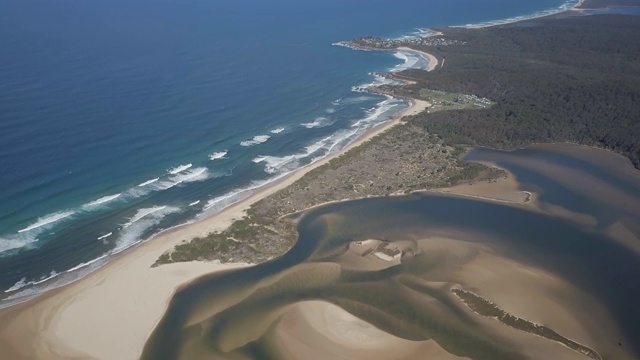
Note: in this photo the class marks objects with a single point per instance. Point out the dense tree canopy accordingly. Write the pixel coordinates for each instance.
(592, 4)
(575, 79)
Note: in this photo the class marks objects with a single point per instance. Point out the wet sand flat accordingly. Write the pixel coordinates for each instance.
(384, 268)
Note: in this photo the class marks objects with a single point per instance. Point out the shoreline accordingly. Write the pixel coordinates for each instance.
(56, 322)
(432, 61)
(541, 14)
(46, 318)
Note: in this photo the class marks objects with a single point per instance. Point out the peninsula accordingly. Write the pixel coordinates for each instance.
(399, 269)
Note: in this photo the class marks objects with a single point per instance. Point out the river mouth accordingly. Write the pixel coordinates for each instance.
(373, 278)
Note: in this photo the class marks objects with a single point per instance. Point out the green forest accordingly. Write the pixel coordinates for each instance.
(574, 79)
(591, 4)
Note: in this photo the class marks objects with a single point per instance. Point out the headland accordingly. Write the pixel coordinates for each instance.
(417, 150)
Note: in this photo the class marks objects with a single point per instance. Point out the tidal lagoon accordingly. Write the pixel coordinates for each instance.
(566, 257)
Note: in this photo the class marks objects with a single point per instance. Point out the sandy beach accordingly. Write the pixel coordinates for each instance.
(110, 313)
(432, 61)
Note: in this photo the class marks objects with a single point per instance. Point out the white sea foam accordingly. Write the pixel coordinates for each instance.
(149, 182)
(141, 213)
(336, 142)
(377, 81)
(349, 45)
(101, 201)
(195, 203)
(219, 203)
(47, 220)
(138, 191)
(410, 60)
(23, 282)
(321, 148)
(227, 199)
(418, 34)
(85, 264)
(192, 175)
(356, 100)
(258, 139)
(142, 221)
(185, 174)
(52, 281)
(288, 163)
(318, 122)
(104, 236)
(281, 167)
(330, 110)
(567, 5)
(16, 242)
(197, 174)
(27, 236)
(374, 115)
(179, 169)
(218, 155)
(17, 286)
(138, 224)
(275, 163)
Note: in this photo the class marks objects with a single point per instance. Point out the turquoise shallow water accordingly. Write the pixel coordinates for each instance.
(122, 118)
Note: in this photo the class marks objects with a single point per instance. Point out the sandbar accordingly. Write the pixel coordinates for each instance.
(110, 313)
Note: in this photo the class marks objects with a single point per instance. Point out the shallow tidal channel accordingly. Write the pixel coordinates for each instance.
(570, 259)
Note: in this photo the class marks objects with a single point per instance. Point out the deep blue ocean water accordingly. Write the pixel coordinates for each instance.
(122, 118)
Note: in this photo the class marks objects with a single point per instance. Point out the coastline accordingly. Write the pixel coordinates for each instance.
(85, 319)
(575, 8)
(60, 316)
(432, 61)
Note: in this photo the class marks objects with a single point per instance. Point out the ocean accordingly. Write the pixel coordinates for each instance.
(120, 119)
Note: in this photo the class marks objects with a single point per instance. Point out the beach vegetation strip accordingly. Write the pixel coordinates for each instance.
(486, 308)
(401, 160)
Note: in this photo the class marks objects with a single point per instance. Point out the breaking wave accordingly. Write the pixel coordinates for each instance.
(44, 283)
(377, 81)
(318, 122)
(16, 242)
(47, 220)
(52, 275)
(140, 214)
(218, 155)
(410, 61)
(144, 219)
(219, 203)
(149, 182)
(321, 148)
(567, 5)
(258, 139)
(192, 175)
(354, 100)
(374, 114)
(105, 236)
(101, 201)
(179, 169)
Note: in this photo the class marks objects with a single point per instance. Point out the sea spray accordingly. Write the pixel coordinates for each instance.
(258, 139)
